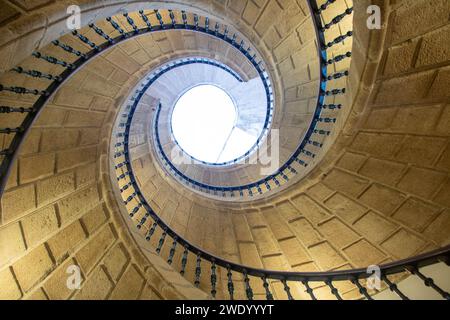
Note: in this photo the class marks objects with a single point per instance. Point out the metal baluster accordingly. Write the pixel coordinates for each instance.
(116, 26)
(145, 19)
(198, 270)
(151, 231)
(172, 18)
(143, 219)
(131, 22)
(160, 19)
(230, 284)
(269, 295)
(248, 288)
(325, 6)
(5, 109)
(101, 33)
(85, 40)
(338, 58)
(69, 49)
(362, 289)
(172, 250)
(161, 241)
(36, 74)
(287, 289)
(53, 60)
(22, 90)
(393, 287)
(333, 289)
(429, 282)
(337, 19)
(309, 290)
(184, 260)
(11, 130)
(213, 279)
(184, 17)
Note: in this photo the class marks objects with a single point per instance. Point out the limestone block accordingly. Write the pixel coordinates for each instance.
(344, 207)
(383, 199)
(325, 256)
(438, 229)
(53, 188)
(94, 219)
(10, 289)
(305, 232)
(374, 227)
(115, 261)
(129, 285)
(66, 241)
(363, 254)
(36, 167)
(39, 224)
(17, 202)
(416, 214)
(78, 204)
(33, 267)
(56, 285)
(403, 244)
(12, 244)
(91, 253)
(336, 232)
(422, 182)
(345, 182)
(97, 286)
(382, 171)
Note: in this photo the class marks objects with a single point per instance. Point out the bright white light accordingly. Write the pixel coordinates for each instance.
(203, 124)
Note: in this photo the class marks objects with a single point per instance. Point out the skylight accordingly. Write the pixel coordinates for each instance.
(204, 125)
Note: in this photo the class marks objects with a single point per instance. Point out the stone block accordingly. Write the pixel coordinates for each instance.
(325, 256)
(403, 244)
(33, 267)
(387, 172)
(36, 167)
(10, 289)
(344, 207)
(116, 261)
(363, 254)
(416, 214)
(338, 233)
(265, 241)
(56, 284)
(305, 232)
(54, 188)
(39, 225)
(94, 219)
(421, 182)
(129, 286)
(90, 254)
(12, 244)
(435, 47)
(351, 161)
(438, 229)
(75, 157)
(375, 227)
(96, 287)
(66, 241)
(383, 199)
(17, 202)
(78, 203)
(345, 182)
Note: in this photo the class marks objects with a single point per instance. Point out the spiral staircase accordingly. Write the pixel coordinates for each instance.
(89, 176)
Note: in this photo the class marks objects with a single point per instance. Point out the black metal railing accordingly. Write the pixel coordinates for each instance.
(149, 222)
(320, 128)
(188, 21)
(239, 277)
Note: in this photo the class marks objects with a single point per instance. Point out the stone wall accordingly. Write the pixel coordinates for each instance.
(380, 194)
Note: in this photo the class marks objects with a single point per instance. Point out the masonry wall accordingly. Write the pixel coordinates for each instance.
(381, 193)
